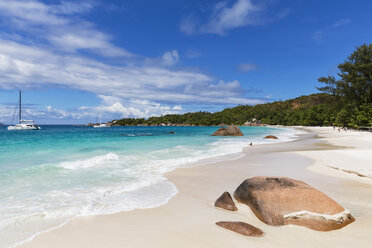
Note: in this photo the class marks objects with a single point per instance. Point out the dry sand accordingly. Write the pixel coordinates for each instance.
(188, 219)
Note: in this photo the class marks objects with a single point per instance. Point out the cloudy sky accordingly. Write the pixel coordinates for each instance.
(147, 58)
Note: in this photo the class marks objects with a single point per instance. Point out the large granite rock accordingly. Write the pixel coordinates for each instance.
(226, 202)
(271, 137)
(228, 131)
(281, 201)
(241, 227)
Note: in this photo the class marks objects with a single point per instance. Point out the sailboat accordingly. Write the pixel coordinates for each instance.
(100, 124)
(23, 124)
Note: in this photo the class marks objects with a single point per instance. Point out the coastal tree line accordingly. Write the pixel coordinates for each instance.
(346, 100)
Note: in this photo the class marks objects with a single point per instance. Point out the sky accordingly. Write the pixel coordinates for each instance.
(73, 59)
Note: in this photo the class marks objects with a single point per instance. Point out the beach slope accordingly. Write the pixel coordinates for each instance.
(188, 219)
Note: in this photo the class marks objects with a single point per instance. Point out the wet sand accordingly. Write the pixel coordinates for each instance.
(188, 219)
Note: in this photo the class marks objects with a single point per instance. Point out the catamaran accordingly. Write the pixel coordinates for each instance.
(23, 124)
(100, 124)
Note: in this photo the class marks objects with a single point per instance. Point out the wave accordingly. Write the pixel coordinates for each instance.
(136, 135)
(24, 228)
(91, 162)
(110, 183)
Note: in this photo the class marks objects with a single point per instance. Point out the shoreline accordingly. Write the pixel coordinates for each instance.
(200, 177)
(228, 148)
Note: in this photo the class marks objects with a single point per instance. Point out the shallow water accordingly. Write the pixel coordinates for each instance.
(50, 176)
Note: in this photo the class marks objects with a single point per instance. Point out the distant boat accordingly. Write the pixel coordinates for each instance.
(100, 124)
(23, 124)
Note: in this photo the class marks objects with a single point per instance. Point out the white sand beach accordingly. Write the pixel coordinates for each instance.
(354, 158)
(188, 219)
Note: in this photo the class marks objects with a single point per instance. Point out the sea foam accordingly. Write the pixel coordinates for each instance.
(90, 183)
(91, 162)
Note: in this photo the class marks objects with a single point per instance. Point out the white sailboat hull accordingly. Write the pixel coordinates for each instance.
(24, 127)
(101, 125)
(23, 124)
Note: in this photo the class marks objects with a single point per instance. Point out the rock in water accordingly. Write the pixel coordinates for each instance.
(226, 202)
(228, 131)
(271, 137)
(241, 227)
(281, 201)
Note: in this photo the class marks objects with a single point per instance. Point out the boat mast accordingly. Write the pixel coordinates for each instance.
(99, 115)
(20, 108)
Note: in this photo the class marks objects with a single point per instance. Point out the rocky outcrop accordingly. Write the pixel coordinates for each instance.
(226, 202)
(271, 137)
(281, 201)
(228, 131)
(241, 227)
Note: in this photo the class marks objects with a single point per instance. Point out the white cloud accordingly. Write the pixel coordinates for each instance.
(84, 37)
(223, 18)
(142, 109)
(60, 114)
(318, 35)
(146, 83)
(247, 67)
(231, 14)
(59, 25)
(72, 7)
(6, 113)
(30, 67)
(26, 66)
(49, 112)
(132, 108)
(30, 12)
(136, 107)
(171, 57)
(241, 13)
(110, 109)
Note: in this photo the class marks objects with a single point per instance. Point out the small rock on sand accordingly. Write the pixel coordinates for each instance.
(241, 228)
(271, 137)
(226, 202)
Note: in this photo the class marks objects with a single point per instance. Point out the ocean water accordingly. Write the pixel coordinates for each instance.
(53, 175)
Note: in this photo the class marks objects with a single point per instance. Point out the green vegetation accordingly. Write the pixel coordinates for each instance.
(354, 87)
(346, 101)
(316, 109)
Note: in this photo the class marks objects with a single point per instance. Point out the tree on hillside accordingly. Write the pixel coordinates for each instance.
(354, 86)
(355, 77)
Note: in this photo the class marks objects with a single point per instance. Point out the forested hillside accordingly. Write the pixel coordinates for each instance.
(316, 109)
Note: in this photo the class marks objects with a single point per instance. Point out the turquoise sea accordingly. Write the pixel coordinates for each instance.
(53, 175)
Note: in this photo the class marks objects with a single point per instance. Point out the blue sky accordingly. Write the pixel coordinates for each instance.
(148, 58)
